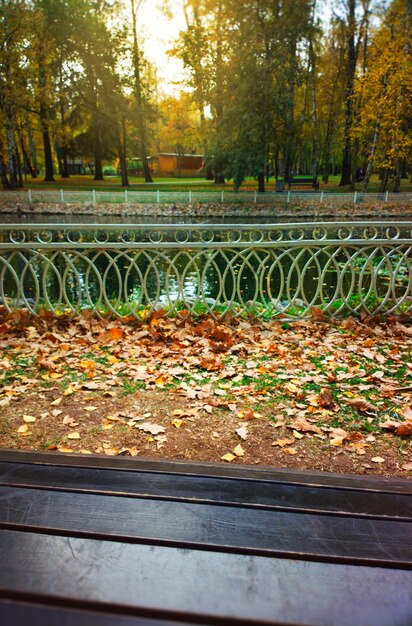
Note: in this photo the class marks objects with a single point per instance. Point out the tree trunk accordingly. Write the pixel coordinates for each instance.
(98, 164)
(26, 157)
(48, 158)
(123, 154)
(350, 77)
(3, 170)
(139, 96)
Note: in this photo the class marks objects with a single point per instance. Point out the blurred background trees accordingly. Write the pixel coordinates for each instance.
(273, 88)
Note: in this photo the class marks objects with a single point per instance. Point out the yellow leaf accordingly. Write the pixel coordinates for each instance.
(64, 449)
(74, 435)
(228, 457)
(29, 419)
(56, 402)
(337, 441)
(178, 423)
(69, 391)
(111, 359)
(23, 429)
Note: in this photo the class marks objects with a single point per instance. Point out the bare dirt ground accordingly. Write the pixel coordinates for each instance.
(315, 394)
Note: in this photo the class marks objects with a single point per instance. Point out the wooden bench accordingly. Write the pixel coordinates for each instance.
(310, 180)
(100, 541)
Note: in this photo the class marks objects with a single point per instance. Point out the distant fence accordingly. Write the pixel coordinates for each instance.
(259, 270)
(62, 196)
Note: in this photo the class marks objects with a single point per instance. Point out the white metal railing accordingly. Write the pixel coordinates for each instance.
(129, 197)
(262, 270)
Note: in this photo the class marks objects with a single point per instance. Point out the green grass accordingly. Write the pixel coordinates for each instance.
(113, 183)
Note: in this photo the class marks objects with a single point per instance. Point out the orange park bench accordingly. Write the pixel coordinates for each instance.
(304, 181)
(101, 541)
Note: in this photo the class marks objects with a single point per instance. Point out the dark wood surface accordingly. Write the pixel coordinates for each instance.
(99, 541)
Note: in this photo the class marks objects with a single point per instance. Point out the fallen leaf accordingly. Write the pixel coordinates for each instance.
(74, 435)
(360, 404)
(242, 432)
(153, 429)
(283, 442)
(326, 399)
(29, 419)
(56, 402)
(291, 451)
(297, 435)
(23, 429)
(404, 429)
(246, 414)
(115, 333)
(378, 459)
(239, 451)
(177, 423)
(407, 467)
(302, 424)
(228, 457)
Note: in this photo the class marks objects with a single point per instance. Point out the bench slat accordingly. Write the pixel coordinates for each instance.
(211, 489)
(220, 527)
(15, 613)
(379, 484)
(188, 583)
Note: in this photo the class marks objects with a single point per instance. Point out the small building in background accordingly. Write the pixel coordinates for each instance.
(171, 164)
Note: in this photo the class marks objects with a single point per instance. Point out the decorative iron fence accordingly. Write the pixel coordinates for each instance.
(261, 270)
(93, 197)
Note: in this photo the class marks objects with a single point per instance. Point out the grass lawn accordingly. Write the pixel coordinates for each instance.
(112, 183)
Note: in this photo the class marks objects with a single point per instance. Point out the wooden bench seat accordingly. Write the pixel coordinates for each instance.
(105, 541)
(304, 181)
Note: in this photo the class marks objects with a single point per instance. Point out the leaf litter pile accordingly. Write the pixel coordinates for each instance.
(313, 394)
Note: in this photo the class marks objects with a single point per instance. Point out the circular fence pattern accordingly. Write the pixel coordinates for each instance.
(269, 281)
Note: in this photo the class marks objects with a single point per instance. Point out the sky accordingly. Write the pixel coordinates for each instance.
(159, 34)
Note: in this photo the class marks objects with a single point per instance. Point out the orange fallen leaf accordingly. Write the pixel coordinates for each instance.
(116, 333)
(283, 442)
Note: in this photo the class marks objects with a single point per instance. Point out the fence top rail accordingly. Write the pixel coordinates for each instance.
(117, 236)
(212, 226)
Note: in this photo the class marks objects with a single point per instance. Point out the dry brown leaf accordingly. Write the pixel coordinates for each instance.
(326, 399)
(303, 425)
(153, 429)
(404, 430)
(56, 402)
(283, 442)
(291, 451)
(360, 404)
(242, 432)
